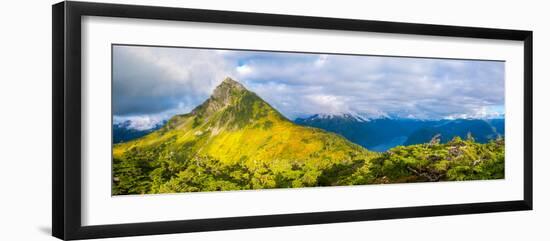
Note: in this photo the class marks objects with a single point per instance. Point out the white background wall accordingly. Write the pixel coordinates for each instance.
(25, 119)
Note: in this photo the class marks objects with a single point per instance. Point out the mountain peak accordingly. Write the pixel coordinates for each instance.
(222, 96)
(232, 106)
(231, 83)
(228, 88)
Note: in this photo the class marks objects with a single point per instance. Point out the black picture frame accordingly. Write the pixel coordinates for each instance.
(66, 158)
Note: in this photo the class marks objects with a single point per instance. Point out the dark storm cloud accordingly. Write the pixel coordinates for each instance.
(155, 80)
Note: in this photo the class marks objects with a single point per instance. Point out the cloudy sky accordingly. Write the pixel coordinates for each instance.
(150, 84)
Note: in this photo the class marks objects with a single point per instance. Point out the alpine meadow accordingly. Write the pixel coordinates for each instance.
(197, 120)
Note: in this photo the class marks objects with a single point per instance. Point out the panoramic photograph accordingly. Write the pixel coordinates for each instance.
(201, 120)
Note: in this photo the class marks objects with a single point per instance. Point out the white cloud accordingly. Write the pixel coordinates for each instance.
(380, 86)
(482, 112)
(157, 80)
(141, 122)
(243, 70)
(328, 104)
(321, 60)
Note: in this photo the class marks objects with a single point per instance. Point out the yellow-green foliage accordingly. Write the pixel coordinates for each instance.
(243, 134)
(236, 141)
(456, 160)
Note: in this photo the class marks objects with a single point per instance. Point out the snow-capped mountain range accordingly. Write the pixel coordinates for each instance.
(382, 133)
(377, 133)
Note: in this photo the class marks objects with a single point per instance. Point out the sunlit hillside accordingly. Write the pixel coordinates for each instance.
(236, 141)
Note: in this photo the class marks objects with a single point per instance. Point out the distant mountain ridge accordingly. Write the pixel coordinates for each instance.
(381, 134)
(481, 130)
(347, 116)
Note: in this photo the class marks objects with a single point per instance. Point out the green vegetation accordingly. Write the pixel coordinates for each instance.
(457, 160)
(236, 141)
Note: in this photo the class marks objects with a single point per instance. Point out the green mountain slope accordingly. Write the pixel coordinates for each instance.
(234, 140)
